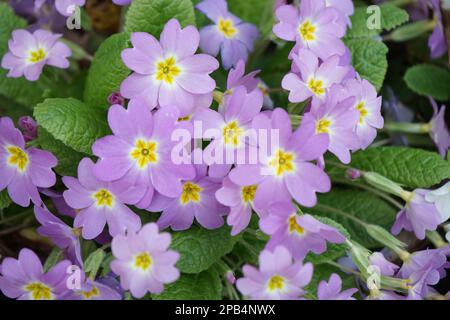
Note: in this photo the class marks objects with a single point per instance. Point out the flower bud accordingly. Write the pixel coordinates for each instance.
(384, 237)
(116, 98)
(382, 183)
(353, 174)
(231, 278)
(29, 127)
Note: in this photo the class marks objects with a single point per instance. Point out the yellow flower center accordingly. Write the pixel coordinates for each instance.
(282, 162)
(226, 27)
(323, 126)
(276, 283)
(36, 56)
(316, 86)
(231, 133)
(144, 153)
(39, 291)
(104, 198)
(362, 111)
(187, 118)
(307, 31)
(167, 70)
(143, 261)
(91, 294)
(248, 193)
(17, 157)
(191, 193)
(293, 226)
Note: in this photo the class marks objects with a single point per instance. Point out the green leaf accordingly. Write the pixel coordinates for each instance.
(151, 15)
(68, 158)
(72, 122)
(5, 201)
(107, 71)
(200, 248)
(334, 251)
(93, 262)
(392, 16)
(202, 286)
(54, 257)
(360, 204)
(413, 168)
(359, 27)
(18, 89)
(410, 31)
(429, 80)
(369, 59)
(257, 12)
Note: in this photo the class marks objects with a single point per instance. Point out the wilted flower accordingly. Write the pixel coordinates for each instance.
(441, 199)
(438, 129)
(139, 152)
(22, 170)
(30, 52)
(286, 171)
(229, 35)
(168, 72)
(332, 290)
(314, 26)
(298, 233)
(278, 277)
(101, 203)
(197, 200)
(24, 278)
(143, 260)
(63, 236)
(313, 80)
(418, 215)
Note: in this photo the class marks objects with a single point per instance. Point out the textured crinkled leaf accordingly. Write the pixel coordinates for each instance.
(392, 16)
(72, 122)
(151, 15)
(206, 285)
(429, 80)
(360, 204)
(369, 59)
(68, 158)
(359, 28)
(257, 12)
(334, 251)
(5, 201)
(18, 89)
(107, 71)
(200, 248)
(413, 168)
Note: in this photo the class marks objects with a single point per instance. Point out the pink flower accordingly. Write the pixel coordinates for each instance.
(30, 52)
(143, 260)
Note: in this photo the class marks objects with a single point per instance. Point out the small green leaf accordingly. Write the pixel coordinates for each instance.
(334, 251)
(429, 80)
(369, 59)
(72, 122)
(200, 248)
(68, 158)
(93, 262)
(54, 257)
(257, 12)
(392, 16)
(107, 71)
(5, 201)
(413, 168)
(359, 204)
(151, 15)
(206, 285)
